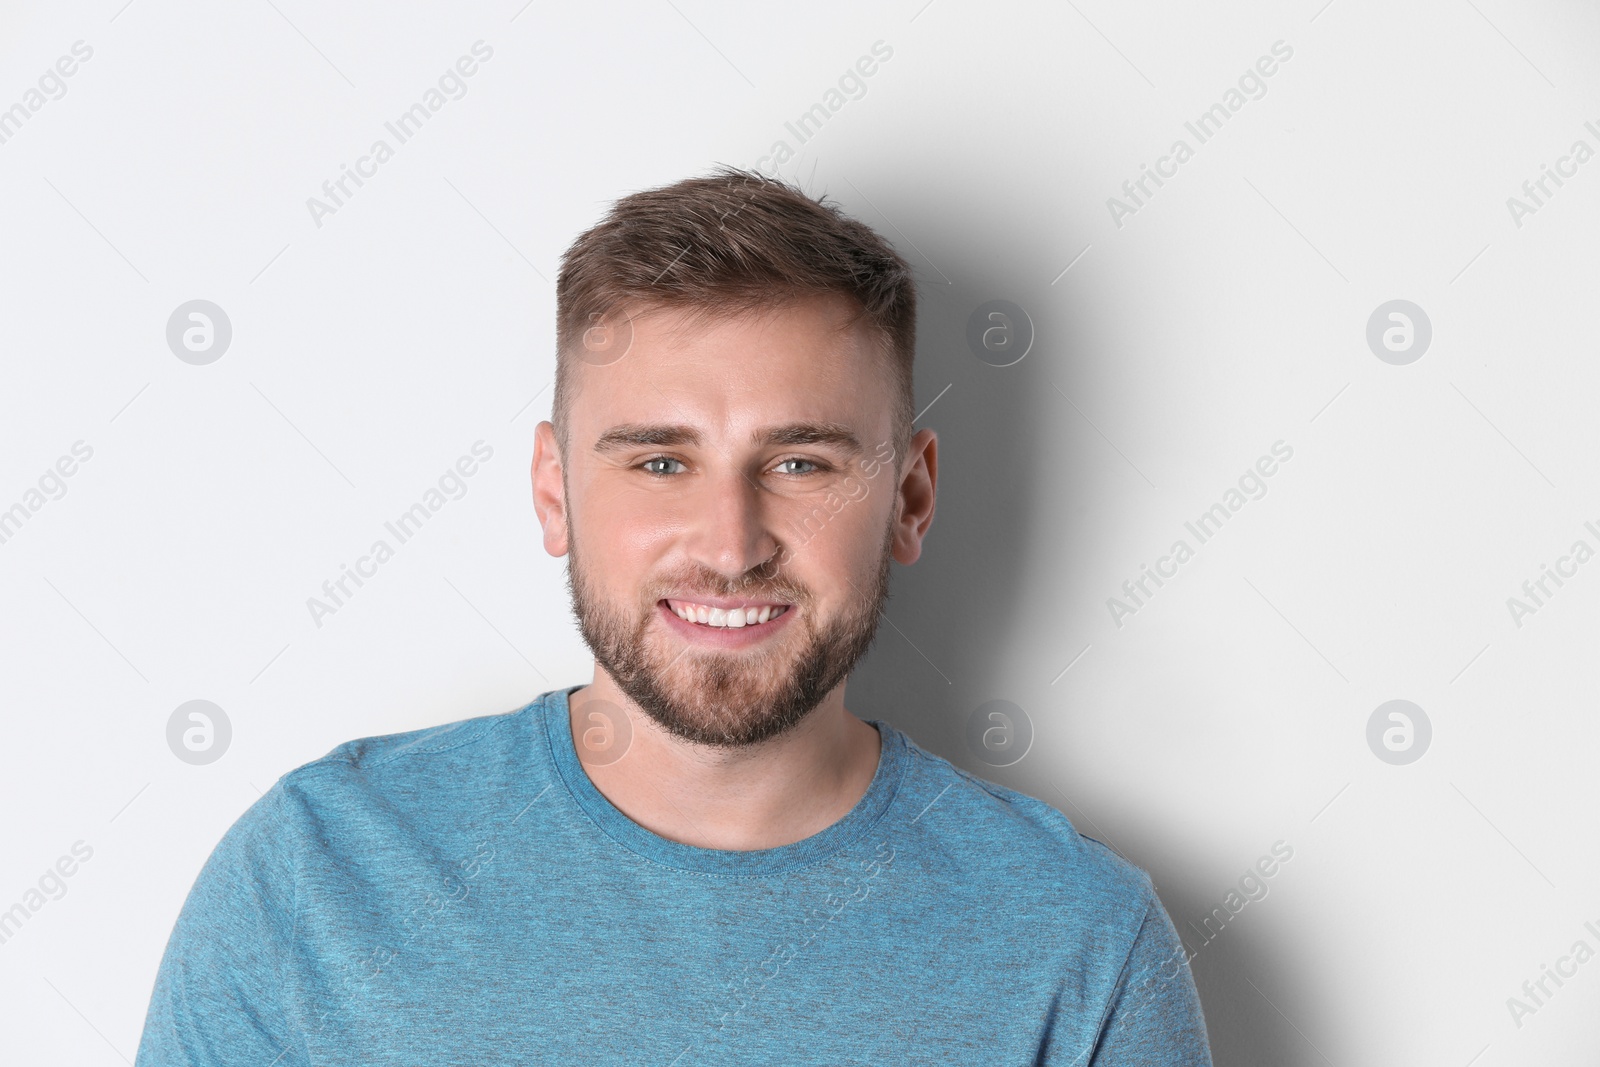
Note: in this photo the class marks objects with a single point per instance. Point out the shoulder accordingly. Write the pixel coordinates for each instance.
(460, 765)
(369, 754)
(1019, 842)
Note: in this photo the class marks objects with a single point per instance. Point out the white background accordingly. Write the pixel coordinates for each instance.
(1228, 313)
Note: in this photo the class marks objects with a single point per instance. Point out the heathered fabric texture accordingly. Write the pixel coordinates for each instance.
(464, 895)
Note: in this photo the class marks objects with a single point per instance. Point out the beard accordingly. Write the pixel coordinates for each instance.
(728, 698)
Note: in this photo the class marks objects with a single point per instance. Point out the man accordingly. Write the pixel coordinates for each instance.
(702, 857)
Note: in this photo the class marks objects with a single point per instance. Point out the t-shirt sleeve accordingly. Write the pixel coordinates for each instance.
(220, 995)
(1154, 1019)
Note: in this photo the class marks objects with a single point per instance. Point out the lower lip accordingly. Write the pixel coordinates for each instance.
(724, 636)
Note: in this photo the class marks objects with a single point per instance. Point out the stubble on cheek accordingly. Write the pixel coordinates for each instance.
(728, 697)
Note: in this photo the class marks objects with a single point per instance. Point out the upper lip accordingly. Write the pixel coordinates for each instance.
(728, 603)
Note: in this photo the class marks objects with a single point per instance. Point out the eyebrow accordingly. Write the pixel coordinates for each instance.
(791, 435)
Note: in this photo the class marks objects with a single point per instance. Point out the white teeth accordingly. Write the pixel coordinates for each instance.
(730, 618)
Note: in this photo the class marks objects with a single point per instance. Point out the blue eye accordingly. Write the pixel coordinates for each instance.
(648, 467)
(657, 459)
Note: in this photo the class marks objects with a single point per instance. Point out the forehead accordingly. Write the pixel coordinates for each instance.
(812, 360)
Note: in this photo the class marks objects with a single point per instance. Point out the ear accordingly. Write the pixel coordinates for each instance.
(914, 497)
(549, 502)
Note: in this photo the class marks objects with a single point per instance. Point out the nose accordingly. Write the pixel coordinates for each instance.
(730, 528)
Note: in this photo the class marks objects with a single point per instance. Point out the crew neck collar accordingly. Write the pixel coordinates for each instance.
(892, 764)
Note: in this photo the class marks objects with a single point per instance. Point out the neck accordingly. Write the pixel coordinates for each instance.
(759, 796)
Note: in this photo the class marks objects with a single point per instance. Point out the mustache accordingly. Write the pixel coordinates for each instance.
(713, 585)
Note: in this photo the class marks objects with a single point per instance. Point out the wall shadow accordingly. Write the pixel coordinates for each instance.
(946, 623)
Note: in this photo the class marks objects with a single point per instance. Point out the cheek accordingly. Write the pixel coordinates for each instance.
(610, 510)
(620, 534)
(833, 535)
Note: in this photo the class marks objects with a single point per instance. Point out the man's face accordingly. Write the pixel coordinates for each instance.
(697, 477)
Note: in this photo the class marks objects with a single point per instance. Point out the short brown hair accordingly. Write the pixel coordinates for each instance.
(732, 242)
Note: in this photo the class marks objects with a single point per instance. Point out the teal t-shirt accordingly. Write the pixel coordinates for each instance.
(465, 895)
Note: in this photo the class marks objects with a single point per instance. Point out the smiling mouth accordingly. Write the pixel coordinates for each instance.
(725, 618)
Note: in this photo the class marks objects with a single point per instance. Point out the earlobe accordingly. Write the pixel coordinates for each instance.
(549, 500)
(553, 519)
(915, 503)
(555, 537)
